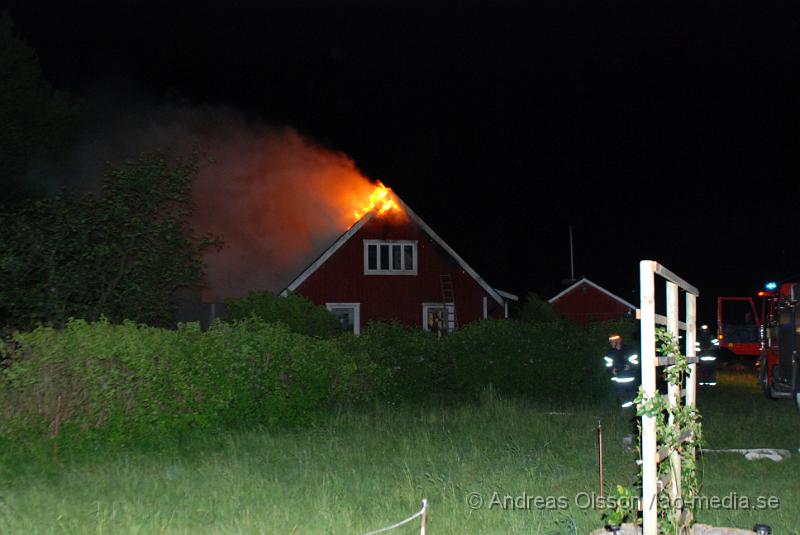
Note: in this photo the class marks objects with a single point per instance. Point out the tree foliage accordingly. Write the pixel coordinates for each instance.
(120, 254)
(295, 311)
(37, 121)
(537, 310)
(127, 382)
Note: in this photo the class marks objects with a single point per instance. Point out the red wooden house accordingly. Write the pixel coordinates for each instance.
(393, 266)
(585, 301)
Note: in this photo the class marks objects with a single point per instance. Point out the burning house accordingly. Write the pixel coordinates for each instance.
(390, 265)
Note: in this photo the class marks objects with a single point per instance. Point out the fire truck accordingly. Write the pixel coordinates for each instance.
(739, 326)
(779, 359)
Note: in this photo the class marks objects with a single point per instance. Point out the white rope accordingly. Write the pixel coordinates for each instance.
(406, 521)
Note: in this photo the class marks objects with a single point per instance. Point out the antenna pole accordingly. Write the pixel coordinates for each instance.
(571, 257)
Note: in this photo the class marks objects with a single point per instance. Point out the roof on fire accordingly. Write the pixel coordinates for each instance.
(497, 295)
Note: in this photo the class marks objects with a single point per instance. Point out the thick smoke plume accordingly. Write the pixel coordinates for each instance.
(275, 198)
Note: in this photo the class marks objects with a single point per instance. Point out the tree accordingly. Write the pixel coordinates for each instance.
(37, 121)
(121, 254)
(537, 310)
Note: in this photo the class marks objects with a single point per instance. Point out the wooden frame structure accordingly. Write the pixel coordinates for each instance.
(651, 454)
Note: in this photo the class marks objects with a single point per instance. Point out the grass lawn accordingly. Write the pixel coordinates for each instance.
(737, 415)
(356, 471)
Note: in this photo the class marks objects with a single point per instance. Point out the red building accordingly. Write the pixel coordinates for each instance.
(585, 301)
(393, 266)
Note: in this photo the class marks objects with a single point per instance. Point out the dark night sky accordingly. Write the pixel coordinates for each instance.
(664, 130)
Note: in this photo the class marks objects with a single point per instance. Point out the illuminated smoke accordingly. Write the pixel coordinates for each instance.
(276, 198)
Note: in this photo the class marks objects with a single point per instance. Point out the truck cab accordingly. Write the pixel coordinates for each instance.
(779, 358)
(738, 326)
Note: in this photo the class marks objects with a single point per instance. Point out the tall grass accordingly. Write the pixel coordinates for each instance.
(357, 470)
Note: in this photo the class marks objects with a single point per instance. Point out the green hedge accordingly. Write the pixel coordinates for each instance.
(555, 361)
(127, 383)
(130, 381)
(295, 311)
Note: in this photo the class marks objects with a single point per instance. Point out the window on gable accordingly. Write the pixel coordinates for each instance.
(390, 257)
(372, 257)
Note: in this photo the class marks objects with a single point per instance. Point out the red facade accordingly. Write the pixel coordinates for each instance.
(342, 278)
(585, 302)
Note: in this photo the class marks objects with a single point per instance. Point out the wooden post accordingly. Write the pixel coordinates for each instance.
(673, 394)
(423, 527)
(648, 347)
(600, 440)
(691, 351)
(57, 427)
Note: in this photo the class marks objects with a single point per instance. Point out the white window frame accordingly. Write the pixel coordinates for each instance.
(451, 316)
(390, 243)
(356, 314)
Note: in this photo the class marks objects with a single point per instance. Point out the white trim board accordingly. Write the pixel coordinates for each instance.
(489, 290)
(593, 285)
(506, 295)
(321, 259)
(360, 223)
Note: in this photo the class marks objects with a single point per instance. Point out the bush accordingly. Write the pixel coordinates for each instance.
(410, 359)
(131, 382)
(537, 310)
(295, 311)
(554, 361)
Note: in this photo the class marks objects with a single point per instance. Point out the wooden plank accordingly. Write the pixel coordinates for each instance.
(674, 392)
(670, 276)
(665, 397)
(648, 349)
(669, 361)
(661, 320)
(686, 517)
(663, 481)
(664, 451)
(691, 351)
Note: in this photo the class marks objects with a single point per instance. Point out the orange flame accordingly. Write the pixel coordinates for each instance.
(381, 198)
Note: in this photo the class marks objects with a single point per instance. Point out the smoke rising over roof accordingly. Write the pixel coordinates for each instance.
(277, 200)
(275, 197)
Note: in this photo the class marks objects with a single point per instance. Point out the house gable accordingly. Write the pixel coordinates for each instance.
(586, 301)
(400, 222)
(340, 274)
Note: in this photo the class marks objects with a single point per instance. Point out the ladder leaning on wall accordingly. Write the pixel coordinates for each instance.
(448, 303)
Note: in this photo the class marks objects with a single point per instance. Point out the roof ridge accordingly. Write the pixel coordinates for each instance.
(345, 236)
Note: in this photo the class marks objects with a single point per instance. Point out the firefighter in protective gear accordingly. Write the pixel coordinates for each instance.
(622, 364)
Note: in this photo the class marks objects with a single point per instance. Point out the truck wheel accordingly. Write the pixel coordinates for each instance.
(769, 389)
(796, 386)
(764, 378)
